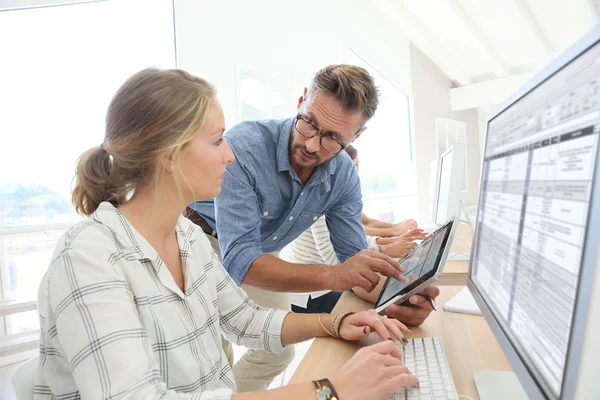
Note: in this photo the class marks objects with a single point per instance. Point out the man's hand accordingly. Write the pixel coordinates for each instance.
(361, 270)
(417, 310)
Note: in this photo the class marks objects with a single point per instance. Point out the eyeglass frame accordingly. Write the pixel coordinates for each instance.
(319, 132)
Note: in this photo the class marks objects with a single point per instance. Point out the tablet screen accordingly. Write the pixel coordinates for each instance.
(419, 265)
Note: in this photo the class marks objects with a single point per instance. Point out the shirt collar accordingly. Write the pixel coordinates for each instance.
(138, 246)
(109, 216)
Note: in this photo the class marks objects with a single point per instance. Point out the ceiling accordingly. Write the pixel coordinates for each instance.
(476, 41)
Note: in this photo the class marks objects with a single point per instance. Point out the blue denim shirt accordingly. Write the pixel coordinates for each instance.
(263, 205)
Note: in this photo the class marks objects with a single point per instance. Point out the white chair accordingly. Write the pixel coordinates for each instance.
(23, 379)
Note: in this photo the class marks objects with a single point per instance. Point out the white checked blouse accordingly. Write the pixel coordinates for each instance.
(115, 325)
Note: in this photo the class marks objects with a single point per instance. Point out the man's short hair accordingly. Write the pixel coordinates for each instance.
(353, 86)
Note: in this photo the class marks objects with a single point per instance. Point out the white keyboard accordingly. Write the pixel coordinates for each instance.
(425, 358)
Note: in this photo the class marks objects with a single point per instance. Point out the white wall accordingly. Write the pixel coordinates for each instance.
(291, 38)
(431, 99)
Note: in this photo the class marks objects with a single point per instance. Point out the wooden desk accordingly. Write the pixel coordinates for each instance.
(456, 272)
(468, 342)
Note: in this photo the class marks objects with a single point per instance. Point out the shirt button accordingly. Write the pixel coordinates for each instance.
(301, 193)
(291, 218)
(274, 237)
(266, 213)
(314, 218)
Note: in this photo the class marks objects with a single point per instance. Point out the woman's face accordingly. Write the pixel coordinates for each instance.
(203, 161)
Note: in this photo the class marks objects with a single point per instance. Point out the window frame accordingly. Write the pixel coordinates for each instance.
(11, 305)
(413, 191)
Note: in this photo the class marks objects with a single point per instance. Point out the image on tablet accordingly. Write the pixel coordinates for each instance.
(424, 263)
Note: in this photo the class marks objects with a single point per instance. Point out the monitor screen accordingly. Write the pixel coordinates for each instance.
(538, 170)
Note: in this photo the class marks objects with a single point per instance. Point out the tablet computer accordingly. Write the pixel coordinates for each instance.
(423, 265)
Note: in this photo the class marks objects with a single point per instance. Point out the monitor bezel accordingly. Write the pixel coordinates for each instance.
(534, 388)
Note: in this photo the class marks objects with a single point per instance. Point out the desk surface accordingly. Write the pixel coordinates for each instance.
(468, 342)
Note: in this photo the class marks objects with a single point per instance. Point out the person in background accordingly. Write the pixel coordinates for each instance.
(380, 229)
(314, 246)
(135, 300)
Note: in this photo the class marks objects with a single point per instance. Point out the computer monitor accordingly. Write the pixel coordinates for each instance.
(450, 183)
(534, 264)
(433, 186)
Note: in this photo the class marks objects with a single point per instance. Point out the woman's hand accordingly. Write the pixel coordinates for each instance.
(398, 248)
(414, 234)
(361, 324)
(404, 226)
(374, 373)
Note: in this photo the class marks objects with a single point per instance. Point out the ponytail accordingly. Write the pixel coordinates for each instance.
(92, 181)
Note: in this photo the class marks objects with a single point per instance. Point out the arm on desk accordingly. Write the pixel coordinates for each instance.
(380, 370)
(300, 327)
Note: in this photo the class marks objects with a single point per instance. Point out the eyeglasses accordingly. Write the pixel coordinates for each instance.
(307, 128)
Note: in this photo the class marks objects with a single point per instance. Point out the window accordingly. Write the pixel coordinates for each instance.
(385, 153)
(265, 95)
(61, 65)
(448, 132)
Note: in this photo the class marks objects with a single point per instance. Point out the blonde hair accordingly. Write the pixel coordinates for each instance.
(353, 86)
(154, 112)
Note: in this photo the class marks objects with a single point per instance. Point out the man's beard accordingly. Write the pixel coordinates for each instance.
(296, 148)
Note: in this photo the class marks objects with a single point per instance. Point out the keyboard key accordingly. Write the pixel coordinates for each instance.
(439, 394)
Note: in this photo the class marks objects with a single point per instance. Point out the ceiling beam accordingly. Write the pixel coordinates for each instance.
(408, 23)
(496, 63)
(486, 93)
(535, 29)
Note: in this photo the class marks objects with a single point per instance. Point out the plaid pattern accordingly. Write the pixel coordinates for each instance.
(115, 325)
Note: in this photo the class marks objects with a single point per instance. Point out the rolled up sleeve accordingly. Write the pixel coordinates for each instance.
(238, 222)
(243, 321)
(344, 222)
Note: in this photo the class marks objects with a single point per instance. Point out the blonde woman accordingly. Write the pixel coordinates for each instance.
(135, 301)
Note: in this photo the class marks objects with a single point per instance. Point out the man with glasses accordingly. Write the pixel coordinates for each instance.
(286, 175)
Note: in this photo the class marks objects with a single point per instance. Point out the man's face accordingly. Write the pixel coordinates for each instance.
(326, 113)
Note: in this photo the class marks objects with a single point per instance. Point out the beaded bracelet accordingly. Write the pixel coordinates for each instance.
(323, 326)
(336, 322)
(325, 390)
